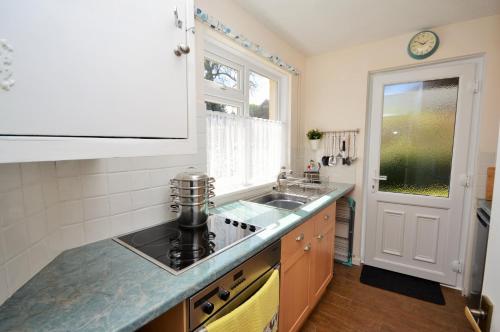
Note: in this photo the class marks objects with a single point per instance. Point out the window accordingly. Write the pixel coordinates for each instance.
(220, 107)
(246, 104)
(262, 97)
(221, 74)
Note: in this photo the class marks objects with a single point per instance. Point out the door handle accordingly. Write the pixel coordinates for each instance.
(380, 178)
(307, 247)
(320, 237)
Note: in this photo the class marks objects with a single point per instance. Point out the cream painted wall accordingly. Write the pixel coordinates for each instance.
(336, 84)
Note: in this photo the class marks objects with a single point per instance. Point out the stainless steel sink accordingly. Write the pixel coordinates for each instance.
(281, 200)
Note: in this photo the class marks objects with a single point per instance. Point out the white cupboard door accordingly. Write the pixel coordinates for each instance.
(95, 68)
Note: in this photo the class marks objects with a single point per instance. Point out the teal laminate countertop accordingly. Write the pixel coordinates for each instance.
(106, 287)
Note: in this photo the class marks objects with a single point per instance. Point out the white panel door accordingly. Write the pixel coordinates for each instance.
(419, 139)
(98, 68)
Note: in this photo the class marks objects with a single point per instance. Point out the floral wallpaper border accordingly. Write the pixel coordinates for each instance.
(220, 27)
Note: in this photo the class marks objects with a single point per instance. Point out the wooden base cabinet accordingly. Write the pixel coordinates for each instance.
(306, 268)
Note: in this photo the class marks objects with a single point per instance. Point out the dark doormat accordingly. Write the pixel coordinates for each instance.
(418, 288)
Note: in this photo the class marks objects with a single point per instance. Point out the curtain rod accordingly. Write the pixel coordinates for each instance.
(223, 29)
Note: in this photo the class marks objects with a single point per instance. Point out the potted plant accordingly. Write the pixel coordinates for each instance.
(314, 136)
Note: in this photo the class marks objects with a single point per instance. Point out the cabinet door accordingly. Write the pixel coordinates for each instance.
(322, 263)
(294, 292)
(95, 68)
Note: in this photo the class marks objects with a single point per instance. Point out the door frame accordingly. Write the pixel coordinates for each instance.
(472, 163)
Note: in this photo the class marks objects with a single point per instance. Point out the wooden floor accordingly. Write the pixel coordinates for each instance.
(349, 305)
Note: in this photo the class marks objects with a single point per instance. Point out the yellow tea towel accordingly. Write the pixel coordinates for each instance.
(257, 314)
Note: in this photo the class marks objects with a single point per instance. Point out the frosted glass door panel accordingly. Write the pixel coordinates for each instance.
(418, 127)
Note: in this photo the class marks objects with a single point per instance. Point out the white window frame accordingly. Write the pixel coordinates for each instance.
(237, 58)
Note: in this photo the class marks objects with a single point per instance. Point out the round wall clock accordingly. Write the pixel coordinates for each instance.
(423, 45)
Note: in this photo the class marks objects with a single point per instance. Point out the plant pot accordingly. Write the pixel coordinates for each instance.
(314, 143)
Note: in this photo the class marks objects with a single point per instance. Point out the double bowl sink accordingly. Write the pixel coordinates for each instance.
(281, 200)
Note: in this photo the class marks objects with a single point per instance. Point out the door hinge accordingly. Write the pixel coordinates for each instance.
(477, 86)
(456, 266)
(465, 180)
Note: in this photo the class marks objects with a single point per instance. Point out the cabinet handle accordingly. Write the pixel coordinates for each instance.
(326, 217)
(181, 49)
(307, 247)
(320, 237)
(300, 237)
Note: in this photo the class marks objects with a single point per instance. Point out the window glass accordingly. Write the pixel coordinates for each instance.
(262, 97)
(221, 74)
(220, 107)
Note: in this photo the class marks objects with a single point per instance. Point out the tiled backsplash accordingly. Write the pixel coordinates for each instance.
(48, 207)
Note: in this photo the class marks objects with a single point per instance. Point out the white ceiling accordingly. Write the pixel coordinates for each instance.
(317, 26)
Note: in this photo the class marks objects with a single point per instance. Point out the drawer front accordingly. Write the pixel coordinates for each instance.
(295, 241)
(325, 219)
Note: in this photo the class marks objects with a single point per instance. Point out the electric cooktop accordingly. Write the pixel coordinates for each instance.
(177, 249)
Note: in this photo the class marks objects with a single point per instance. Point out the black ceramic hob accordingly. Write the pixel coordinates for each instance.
(176, 249)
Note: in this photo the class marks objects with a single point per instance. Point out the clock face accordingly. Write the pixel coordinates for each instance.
(423, 45)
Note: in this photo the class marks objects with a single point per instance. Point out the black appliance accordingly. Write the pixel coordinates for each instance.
(480, 244)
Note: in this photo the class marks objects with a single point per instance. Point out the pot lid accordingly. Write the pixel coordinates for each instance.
(191, 174)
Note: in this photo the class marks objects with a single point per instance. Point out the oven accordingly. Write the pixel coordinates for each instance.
(232, 290)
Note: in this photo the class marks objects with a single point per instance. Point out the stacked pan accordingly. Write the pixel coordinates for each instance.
(191, 192)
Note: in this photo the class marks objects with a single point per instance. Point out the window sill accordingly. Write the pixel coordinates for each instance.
(243, 193)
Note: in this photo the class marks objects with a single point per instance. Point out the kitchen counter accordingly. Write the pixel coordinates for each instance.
(104, 286)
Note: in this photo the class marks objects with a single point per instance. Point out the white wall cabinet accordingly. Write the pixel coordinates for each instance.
(97, 78)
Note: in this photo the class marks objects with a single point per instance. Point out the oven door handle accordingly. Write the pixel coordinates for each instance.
(250, 291)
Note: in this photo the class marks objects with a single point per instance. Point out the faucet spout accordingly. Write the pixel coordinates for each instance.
(282, 175)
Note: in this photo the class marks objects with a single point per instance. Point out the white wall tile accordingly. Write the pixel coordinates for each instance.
(95, 185)
(10, 177)
(38, 256)
(54, 244)
(53, 218)
(15, 239)
(95, 207)
(72, 236)
(141, 198)
(140, 180)
(66, 168)
(2, 249)
(70, 188)
(119, 182)
(96, 230)
(37, 227)
(48, 207)
(30, 173)
(93, 166)
(160, 195)
(50, 193)
(4, 291)
(33, 199)
(121, 223)
(71, 212)
(11, 207)
(47, 170)
(18, 272)
(120, 203)
(119, 164)
(161, 177)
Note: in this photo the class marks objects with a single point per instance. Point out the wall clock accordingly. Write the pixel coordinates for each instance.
(423, 45)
